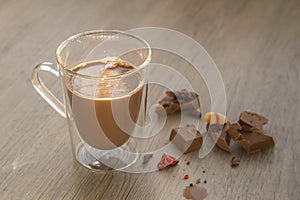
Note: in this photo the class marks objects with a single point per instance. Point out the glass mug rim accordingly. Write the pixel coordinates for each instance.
(71, 39)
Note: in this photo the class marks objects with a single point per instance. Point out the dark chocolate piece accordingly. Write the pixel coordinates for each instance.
(186, 138)
(252, 119)
(219, 134)
(251, 141)
(181, 101)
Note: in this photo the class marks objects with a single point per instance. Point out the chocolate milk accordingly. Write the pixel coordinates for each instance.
(105, 111)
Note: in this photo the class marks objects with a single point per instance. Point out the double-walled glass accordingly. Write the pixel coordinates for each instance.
(102, 109)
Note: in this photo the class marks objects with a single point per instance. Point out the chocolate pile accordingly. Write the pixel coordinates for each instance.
(247, 132)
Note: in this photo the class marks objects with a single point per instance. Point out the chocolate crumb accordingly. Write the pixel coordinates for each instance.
(204, 181)
(203, 171)
(188, 163)
(235, 162)
(198, 181)
(191, 184)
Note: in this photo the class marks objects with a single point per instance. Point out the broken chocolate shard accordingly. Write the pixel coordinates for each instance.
(251, 140)
(170, 105)
(252, 119)
(186, 138)
(245, 129)
(179, 101)
(219, 134)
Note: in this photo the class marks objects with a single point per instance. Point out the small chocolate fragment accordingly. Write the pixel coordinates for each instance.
(252, 119)
(251, 140)
(186, 138)
(146, 158)
(170, 105)
(195, 192)
(181, 101)
(198, 181)
(219, 134)
(235, 162)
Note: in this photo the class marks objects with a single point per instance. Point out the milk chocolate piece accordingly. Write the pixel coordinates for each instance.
(181, 101)
(251, 140)
(186, 138)
(219, 134)
(252, 119)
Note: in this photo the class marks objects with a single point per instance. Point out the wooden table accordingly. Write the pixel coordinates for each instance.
(256, 45)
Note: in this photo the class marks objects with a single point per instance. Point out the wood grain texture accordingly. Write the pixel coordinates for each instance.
(256, 45)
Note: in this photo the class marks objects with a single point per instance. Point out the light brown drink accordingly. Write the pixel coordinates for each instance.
(105, 111)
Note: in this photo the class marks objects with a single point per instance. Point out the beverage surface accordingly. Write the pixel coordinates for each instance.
(110, 86)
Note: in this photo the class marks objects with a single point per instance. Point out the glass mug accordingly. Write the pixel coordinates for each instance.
(103, 79)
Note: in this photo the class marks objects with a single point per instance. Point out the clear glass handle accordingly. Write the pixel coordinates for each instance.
(43, 90)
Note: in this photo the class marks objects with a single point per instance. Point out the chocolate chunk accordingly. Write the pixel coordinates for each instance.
(219, 134)
(252, 119)
(235, 162)
(181, 101)
(170, 105)
(186, 138)
(251, 140)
